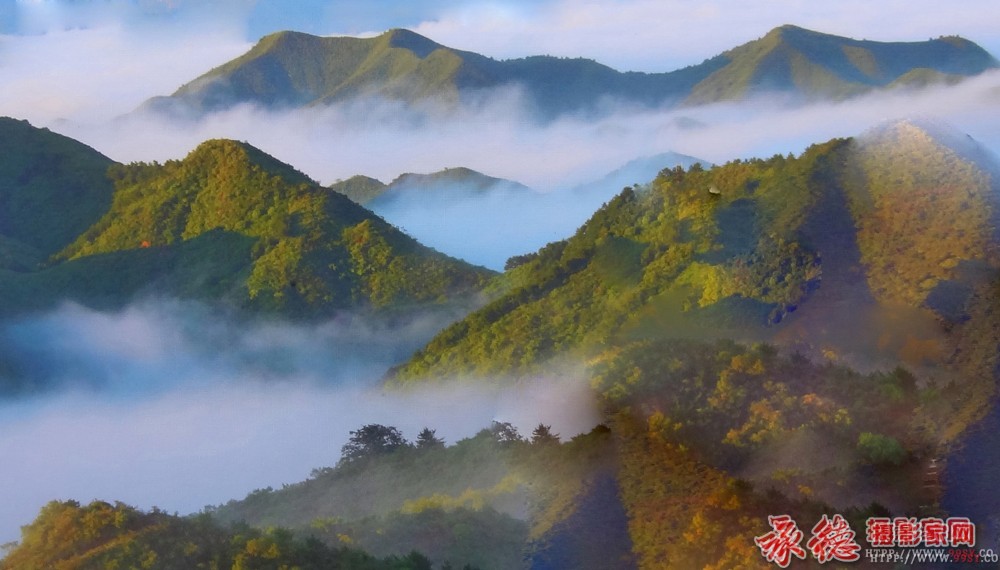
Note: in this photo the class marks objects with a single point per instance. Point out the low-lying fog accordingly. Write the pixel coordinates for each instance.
(173, 405)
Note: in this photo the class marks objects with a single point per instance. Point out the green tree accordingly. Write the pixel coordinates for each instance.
(427, 439)
(372, 440)
(543, 435)
(505, 433)
(880, 449)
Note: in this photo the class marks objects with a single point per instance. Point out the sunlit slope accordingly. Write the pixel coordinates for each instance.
(312, 249)
(861, 277)
(51, 189)
(874, 251)
(290, 69)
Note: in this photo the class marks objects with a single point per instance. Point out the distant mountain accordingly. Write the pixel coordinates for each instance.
(813, 65)
(636, 171)
(359, 188)
(490, 220)
(226, 223)
(52, 188)
(290, 69)
(458, 181)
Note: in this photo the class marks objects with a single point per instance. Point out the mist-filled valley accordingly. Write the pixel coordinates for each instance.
(177, 405)
(396, 291)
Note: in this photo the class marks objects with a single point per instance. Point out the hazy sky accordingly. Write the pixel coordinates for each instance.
(632, 34)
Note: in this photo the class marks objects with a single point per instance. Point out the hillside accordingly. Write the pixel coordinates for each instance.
(750, 249)
(804, 335)
(491, 500)
(290, 69)
(306, 248)
(360, 189)
(52, 188)
(228, 223)
(859, 281)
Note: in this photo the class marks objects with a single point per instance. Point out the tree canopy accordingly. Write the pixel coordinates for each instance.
(372, 440)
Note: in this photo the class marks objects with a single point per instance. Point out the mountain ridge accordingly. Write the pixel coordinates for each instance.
(293, 69)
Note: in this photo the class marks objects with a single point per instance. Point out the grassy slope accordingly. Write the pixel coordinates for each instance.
(292, 69)
(815, 65)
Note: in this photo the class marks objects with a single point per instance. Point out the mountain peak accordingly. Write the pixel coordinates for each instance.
(401, 38)
(228, 153)
(929, 133)
(286, 41)
(793, 30)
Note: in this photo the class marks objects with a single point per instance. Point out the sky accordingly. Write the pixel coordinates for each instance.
(77, 66)
(641, 35)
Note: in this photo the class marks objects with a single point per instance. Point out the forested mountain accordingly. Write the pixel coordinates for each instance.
(290, 69)
(893, 221)
(859, 279)
(227, 223)
(800, 335)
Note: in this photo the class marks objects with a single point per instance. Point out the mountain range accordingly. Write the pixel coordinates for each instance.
(808, 334)
(291, 69)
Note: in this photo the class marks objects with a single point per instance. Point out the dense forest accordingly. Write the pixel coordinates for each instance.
(227, 223)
